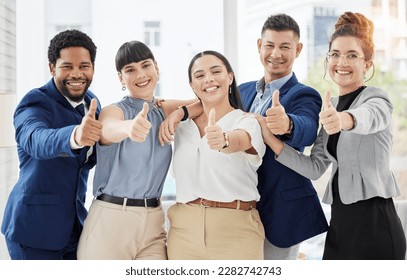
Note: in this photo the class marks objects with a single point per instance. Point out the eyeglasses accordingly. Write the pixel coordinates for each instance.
(351, 59)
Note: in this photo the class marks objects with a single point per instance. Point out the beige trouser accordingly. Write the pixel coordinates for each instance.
(119, 232)
(197, 232)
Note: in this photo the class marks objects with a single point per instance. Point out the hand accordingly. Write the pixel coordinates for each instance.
(140, 126)
(90, 129)
(269, 138)
(329, 117)
(277, 120)
(214, 134)
(265, 131)
(169, 125)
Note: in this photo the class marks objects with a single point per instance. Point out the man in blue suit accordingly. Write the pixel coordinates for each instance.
(289, 205)
(45, 211)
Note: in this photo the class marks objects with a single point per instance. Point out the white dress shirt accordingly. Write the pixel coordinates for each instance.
(201, 172)
(72, 142)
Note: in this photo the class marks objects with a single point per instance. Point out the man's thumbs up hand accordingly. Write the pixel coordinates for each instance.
(92, 109)
(275, 99)
(90, 129)
(277, 120)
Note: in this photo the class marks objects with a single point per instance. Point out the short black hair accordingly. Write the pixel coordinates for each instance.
(281, 22)
(234, 95)
(70, 38)
(133, 51)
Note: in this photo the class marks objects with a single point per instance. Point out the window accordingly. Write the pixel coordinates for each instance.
(393, 6)
(152, 34)
(7, 49)
(63, 27)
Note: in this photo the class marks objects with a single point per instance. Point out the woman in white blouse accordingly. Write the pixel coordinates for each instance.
(216, 156)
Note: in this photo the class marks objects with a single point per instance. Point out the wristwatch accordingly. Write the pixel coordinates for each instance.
(226, 137)
(290, 129)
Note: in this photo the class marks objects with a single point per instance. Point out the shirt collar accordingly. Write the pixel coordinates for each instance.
(273, 85)
(73, 103)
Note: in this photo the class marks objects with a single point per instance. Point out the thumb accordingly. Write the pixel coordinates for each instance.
(327, 100)
(92, 108)
(276, 98)
(212, 117)
(144, 111)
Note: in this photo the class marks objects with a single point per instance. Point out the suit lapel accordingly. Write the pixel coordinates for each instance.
(288, 85)
(57, 96)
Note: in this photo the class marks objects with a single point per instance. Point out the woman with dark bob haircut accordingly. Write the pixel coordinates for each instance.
(126, 219)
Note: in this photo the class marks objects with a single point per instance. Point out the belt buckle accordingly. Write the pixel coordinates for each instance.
(124, 203)
(205, 206)
(145, 202)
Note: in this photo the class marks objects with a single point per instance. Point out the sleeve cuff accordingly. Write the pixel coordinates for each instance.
(72, 143)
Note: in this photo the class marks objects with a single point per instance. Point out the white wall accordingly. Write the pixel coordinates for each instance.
(185, 31)
(187, 27)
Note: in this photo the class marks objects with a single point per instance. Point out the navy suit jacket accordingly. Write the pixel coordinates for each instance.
(289, 206)
(50, 192)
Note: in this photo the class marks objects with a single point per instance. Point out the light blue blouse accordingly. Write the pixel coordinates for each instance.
(132, 169)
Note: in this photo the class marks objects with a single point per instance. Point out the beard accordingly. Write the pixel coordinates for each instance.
(62, 86)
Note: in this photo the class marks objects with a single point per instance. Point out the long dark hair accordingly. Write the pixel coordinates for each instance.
(234, 93)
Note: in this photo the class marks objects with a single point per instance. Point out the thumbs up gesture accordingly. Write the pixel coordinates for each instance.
(90, 129)
(140, 126)
(329, 117)
(276, 118)
(214, 134)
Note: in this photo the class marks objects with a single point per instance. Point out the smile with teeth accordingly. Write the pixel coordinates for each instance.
(211, 89)
(142, 84)
(342, 72)
(76, 84)
(275, 62)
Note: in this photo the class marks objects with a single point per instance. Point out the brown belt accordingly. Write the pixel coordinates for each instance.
(236, 204)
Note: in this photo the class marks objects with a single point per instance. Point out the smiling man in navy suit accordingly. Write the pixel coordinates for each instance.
(289, 206)
(45, 211)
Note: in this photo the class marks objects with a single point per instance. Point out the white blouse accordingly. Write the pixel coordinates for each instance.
(201, 172)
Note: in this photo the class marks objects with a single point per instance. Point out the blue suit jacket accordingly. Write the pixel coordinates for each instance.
(50, 192)
(289, 206)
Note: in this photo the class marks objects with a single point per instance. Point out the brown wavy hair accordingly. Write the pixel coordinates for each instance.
(358, 26)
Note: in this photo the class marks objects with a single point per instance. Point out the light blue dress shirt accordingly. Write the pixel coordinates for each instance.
(262, 101)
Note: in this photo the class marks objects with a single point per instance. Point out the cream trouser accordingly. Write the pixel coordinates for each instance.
(197, 232)
(119, 232)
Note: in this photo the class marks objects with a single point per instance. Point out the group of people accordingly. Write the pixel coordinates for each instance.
(243, 183)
